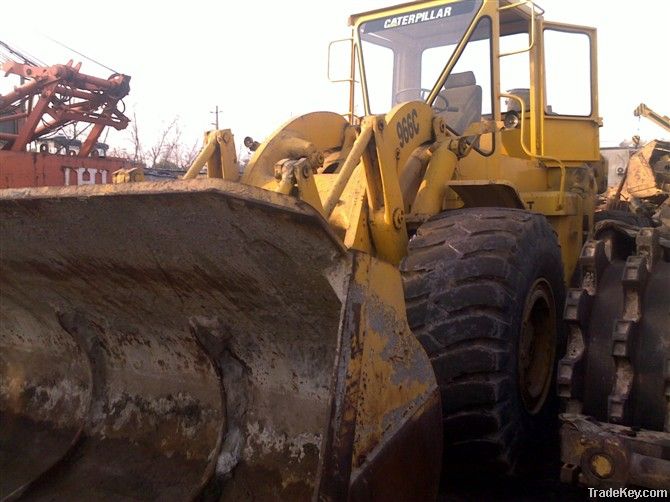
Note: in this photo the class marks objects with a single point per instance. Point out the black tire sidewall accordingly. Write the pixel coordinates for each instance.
(541, 260)
(527, 245)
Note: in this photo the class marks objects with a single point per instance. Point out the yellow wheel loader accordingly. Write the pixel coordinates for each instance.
(377, 300)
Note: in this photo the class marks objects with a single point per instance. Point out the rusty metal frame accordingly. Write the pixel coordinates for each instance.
(59, 95)
(605, 455)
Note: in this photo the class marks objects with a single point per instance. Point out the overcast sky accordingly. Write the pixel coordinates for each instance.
(265, 63)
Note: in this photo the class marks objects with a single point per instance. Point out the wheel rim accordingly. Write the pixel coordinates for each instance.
(537, 346)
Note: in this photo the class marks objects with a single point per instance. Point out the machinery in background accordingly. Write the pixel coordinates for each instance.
(618, 157)
(619, 320)
(662, 121)
(48, 99)
(642, 178)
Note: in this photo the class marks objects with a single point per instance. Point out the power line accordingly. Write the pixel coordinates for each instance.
(15, 52)
(80, 54)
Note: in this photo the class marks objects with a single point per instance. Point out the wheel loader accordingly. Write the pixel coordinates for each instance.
(378, 301)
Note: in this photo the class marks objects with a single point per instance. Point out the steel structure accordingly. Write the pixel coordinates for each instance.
(48, 99)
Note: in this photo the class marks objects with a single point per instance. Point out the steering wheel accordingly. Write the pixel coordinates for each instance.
(443, 105)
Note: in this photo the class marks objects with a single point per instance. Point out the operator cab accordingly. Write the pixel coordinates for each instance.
(411, 51)
(445, 53)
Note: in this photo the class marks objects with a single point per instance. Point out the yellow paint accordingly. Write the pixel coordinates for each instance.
(395, 373)
(218, 153)
(602, 466)
(128, 175)
(363, 197)
(430, 196)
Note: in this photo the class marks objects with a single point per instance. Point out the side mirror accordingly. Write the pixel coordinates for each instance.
(340, 57)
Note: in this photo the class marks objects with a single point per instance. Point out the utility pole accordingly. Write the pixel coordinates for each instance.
(216, 120)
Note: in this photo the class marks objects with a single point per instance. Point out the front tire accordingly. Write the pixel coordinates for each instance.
(484, 292)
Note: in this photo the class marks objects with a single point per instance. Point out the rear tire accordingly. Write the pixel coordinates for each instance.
(484, 292)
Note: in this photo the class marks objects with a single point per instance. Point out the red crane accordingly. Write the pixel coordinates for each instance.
(49, 98)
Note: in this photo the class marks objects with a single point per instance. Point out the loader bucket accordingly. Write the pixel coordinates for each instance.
(203, 339)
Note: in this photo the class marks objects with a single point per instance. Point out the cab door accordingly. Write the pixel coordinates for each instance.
(570, 129)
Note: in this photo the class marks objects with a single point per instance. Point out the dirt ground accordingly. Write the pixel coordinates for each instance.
(514, 490)
(539, 483)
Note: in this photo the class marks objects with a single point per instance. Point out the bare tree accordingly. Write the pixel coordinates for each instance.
(166, 141)
(138, 154)
(120, 153)
(184, 155)
(168, 152)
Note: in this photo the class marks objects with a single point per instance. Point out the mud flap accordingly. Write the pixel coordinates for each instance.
(201, 339)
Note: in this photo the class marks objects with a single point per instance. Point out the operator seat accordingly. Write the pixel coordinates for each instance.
(464, 101)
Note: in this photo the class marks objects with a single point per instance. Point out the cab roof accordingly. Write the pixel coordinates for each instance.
(354, 18)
